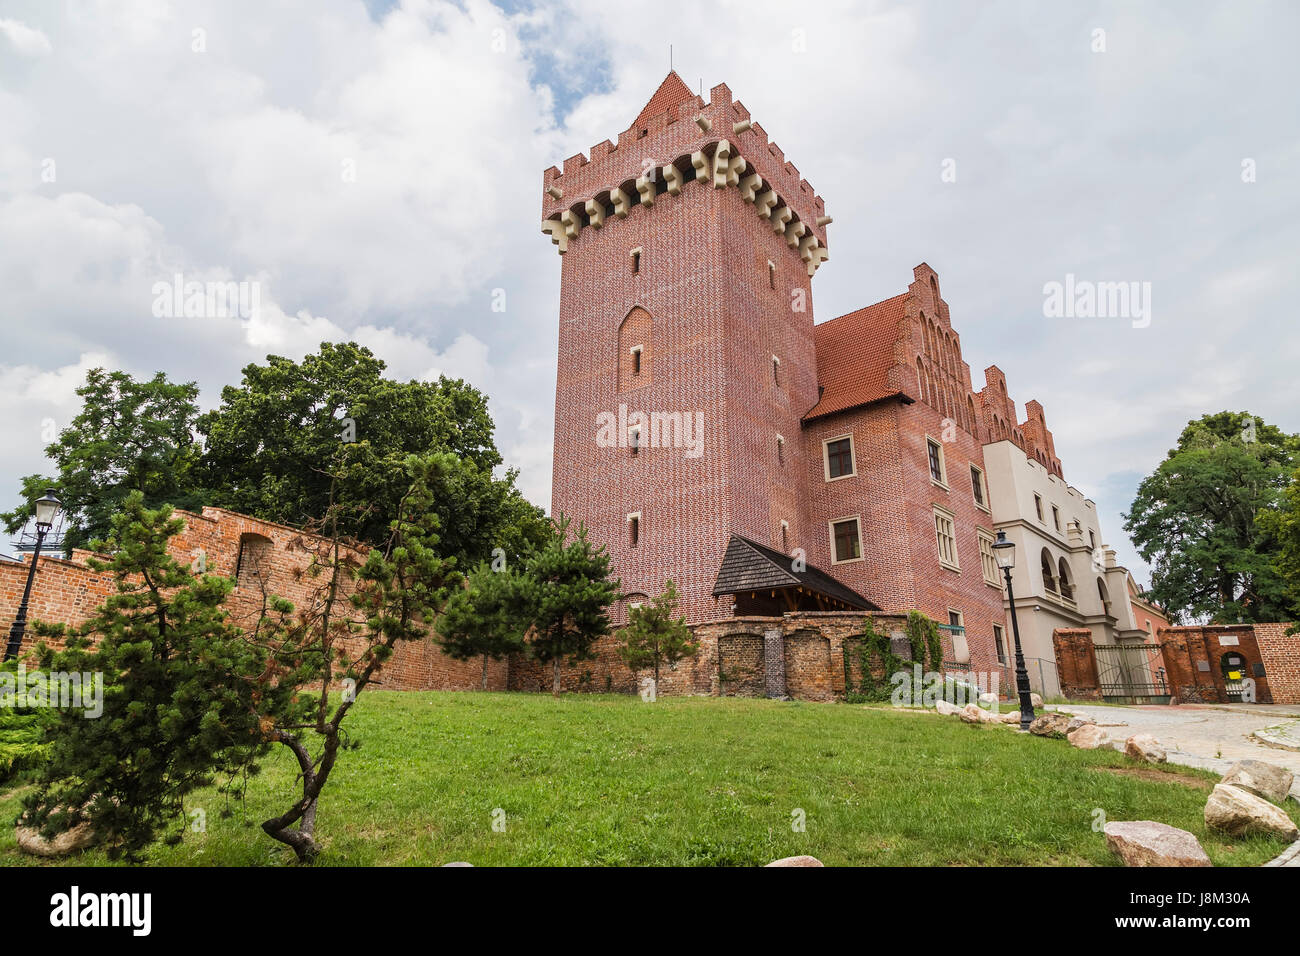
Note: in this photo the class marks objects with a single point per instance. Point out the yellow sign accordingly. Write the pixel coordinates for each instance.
(1234, 675)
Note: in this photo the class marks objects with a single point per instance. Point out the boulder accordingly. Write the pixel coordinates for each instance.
(1238, 812)
(1260, 778)
(972, 714)
(1009, 717)
(1050, 725)
(1088, 737)
(1077, 722)
(944, 707)
(69, 841)
(1145, 747)
(797, 861)
(1036, 700)
(988, 698)
(1147, 843)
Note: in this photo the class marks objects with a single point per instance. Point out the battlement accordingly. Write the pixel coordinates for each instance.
(666, 148)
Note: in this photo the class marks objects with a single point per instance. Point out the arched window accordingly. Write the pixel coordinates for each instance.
(1049, 578)
(635, 354)
(1104, 595)
(1067, 589)
(934, 291)
(254, 563)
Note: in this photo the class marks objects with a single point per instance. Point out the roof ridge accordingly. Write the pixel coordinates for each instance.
(667, 96)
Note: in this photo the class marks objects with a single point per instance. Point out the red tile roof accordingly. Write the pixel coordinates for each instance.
(672, 91)
(855, 354)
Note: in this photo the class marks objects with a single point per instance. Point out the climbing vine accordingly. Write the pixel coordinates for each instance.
(927, 647)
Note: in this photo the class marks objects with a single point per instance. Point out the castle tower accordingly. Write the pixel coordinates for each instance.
(686, 351)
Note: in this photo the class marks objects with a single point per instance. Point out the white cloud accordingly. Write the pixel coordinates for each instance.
(25, 40)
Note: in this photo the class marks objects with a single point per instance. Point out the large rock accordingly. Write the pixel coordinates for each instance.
(1009, 717)
(1239, 812)
(987, 698)
(69, 841)
(1088, 737)
(945, 707)
(972, 714)
(1262, 779)
(797, 861)
(1147, 843)
(1145, 747)
(1036, 700)
(1050, 725)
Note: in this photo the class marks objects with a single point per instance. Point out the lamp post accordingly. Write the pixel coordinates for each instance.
(1004, 552)
(47, 510)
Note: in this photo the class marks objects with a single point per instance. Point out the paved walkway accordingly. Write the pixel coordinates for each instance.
(1202, 735)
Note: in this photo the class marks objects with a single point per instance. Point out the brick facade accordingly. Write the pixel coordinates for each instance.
(1076, 663)
(705, 278)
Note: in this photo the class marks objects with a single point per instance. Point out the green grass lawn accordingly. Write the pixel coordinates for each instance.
(604, 779)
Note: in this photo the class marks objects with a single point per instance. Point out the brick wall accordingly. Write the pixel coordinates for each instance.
(256, 554)
(1076, 663)
(1194, 661)
(1280, 654)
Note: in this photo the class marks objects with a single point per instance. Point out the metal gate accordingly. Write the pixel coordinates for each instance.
(1132, 673)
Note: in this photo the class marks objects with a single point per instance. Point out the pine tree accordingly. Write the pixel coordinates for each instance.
(183, 699)
(566, 593)
(653, 636)
(484, 618)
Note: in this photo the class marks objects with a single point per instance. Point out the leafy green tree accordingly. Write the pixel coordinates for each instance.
(1196, 519)
(183, 697)
(130, 436)
(293, 431)
(653, 636)
(1283, 526)
(484, 618)
(566, 592)
(364, 607)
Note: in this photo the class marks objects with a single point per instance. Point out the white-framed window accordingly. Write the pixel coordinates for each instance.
(945, 536)
(988, 561)
(1038, 506)
(934, 454)
(1000, 642)
(979, 491)
(838, 458)
(846, 540)
(1056, 517)
(960, 646)
(634, 529)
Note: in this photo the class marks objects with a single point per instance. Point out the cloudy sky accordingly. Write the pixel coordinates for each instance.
(376, 168)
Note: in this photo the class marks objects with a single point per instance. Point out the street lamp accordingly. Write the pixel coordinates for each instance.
(1004, 553)
(47, 510)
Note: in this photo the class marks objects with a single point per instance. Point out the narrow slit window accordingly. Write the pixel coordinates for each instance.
(633, 530)
(636, 261)
(771, 274)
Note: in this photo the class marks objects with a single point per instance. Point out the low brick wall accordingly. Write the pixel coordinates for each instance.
(1280, 654)
(1076, 663)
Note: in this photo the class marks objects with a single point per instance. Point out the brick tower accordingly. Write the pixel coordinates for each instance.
(686, 349)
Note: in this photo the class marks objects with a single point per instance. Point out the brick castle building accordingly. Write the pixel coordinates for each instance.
(825, 467)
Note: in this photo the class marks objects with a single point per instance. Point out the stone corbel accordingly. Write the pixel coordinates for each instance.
(806, 246)
(596, 213)
(793, 233)
(764, 203)
(572, 224)
(780, 217)
(673, 177)
(646, 187)
(721, 163)
(701, 164)
(748, 185)
(621, 202)
(736, 170)
(555, 229)
(820, 255)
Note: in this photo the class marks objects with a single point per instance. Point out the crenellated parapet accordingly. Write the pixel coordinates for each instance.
(715, 143)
